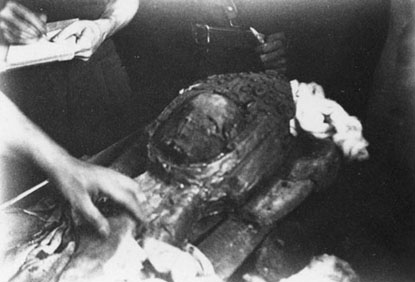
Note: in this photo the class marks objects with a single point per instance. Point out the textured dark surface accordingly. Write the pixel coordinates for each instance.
(233, 242)
(214, 126)
(220, 144)
(214, 143)
(230, 245)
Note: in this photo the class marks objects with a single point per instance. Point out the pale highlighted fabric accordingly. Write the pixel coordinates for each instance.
(324, 118)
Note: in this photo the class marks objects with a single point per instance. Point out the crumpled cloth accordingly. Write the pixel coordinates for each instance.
(325, 118)
(62, 252)
(324, 268)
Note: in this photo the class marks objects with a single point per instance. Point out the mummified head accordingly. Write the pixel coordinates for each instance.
(199, 130)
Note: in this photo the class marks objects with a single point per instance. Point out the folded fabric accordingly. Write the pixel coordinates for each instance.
(325, 118)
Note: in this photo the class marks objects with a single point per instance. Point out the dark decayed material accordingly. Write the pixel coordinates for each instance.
(222, 148)
(215, 142)
(315, 166)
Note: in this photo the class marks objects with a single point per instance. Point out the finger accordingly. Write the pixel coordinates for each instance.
(276, 36)
(280, 70)
(18, 28)
(273, 65)
(92, 214)
(83, 56)
(11, 21)
(90, 35)
(270, 46)
(9, 38)
(33, 20)
(74, 29)
(83, 53)
(14, 37)
(84, 44)
(9, 35)
(85, 47)
(43, 18)
(272, 56)
(129, 195)
(279, 63)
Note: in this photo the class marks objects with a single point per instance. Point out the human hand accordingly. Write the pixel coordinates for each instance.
(19, 25)
(272, 52)
(89, 36)
(80, 182)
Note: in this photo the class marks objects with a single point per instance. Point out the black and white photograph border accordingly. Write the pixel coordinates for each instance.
(207, 140)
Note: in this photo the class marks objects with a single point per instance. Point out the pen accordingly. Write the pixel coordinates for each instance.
(42, 29)
(258, 35)
(44, 37)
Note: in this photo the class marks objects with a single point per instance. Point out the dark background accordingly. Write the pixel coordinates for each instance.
(334, 43)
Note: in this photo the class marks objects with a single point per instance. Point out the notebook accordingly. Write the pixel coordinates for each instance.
(40, 52)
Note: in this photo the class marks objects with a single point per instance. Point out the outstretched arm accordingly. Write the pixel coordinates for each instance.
(78, 181)
(91, 34)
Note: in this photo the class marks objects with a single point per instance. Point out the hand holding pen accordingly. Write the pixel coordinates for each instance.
(272, 50)
(19, 25)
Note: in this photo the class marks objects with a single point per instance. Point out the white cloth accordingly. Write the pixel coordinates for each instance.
(324, 118)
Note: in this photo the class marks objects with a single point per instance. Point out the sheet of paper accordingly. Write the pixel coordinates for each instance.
(40, 52)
